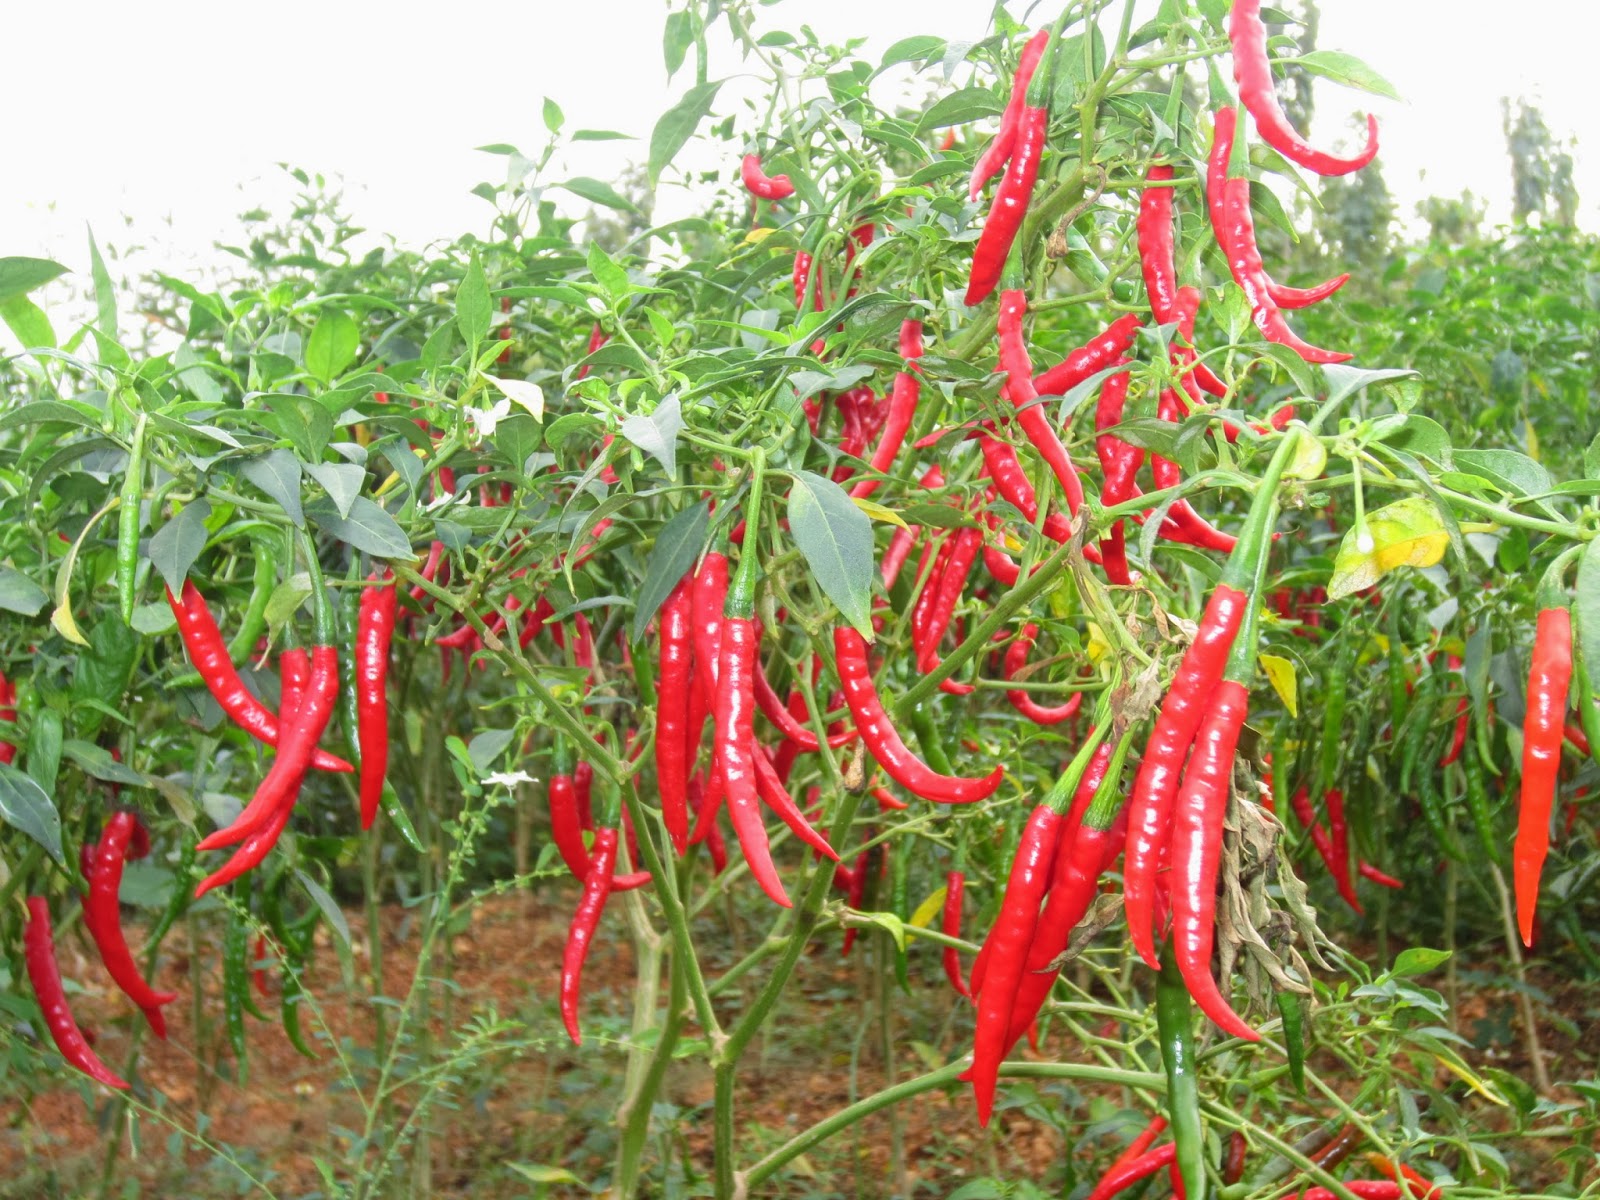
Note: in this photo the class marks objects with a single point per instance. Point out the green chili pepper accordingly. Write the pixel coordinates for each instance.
(1399, 670)
(128, 524)
(1176, 1028)
(933, 751)
(235, 986)
(1333, 705)
(1478, 803)
(253, 622)
(1588, 708)
(181, 889)
(1294, 1040)
(1434, 811)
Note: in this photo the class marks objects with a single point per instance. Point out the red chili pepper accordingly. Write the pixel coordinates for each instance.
(964, 548)
(1156, 783)
(1233, 1158)
(8, 714)
(884, 743)
(597, 338)
(1001, 464)
(1019, 387)
(1119, 464)
(1458, 738)
(282, 783)
(1123, 1175)
(374, 629)
(209, 654)
(1229, 203)
(39, 956)
(597, 886)
(1368, 871)
(1549, 678)
(1252, 70)
(1095, 355)
(1012, 197)
(1011, 937)
(1362, 1189)
(902, 407)
(855, 881)
(102, 913)
(710, 595)
(673, 685)
(1016, 659)
(955, 886)
(258, 973)
(1339, 870)
(777, 798)
(733, 727)
(1075, 876)
(1199, 810)
(1183, 524)
(768, 187)
(1339, 832)
(1417, 1187)
(1156, 256)
(998, 152)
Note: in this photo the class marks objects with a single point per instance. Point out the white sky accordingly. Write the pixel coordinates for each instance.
(158, 111)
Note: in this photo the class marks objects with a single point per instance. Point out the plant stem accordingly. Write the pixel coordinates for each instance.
(1541, 1074)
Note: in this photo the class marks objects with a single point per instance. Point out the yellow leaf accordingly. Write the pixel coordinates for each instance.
(1098, 647)
(878, 512)
(1406, 533)
(1280, 674)
(1472, 1081)
(61, 618)
(759, 234)
(928, 909)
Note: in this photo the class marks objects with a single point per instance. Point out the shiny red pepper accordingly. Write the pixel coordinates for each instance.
(759, 183)
(374, 629)
(955, 886)
(673, 683)
(596, 889)
(102, 913)
(902, 407)
(1016, 659)
(998, 152)
(1549, 678)
(39, 957)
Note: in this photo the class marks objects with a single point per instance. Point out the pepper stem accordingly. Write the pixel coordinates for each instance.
(322, 628)
(741, 601)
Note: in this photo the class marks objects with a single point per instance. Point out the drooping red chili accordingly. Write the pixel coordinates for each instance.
(1009, 941)
(710, 596)
(102, 913)
(569, 817)
(965, 546)
(1141, 1144)
(597, 338)
(1252, 71)
(1040, 714)
(39, 956)
(673, 683)
(1338, 869)
(1123, 1175)
(881, 738)
(998, 152)
(1183, 524)
(209, 654)
(1228, 201)
(596, 888)
(759, 183)
(1549, 678)
(771, 790)
(1095, 355)
(1012, 197)
(902, 407)
(1198, 813)
(733, 726)
(1157, 259)
(1362, 1189)
(1031, 415)
(8, 714)
(374, 630)
(1001, 464)
(955, 887)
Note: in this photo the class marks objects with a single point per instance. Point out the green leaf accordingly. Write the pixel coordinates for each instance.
(1345, 381)
(597, 192)
(20, 594)
(342, 482)
(97, 763)
(193, 374)
(1421, 435)
(607, 273)
(43, 755)
(487, 746)
(330, 907)
(334, 342)
(277, 473)
(1346, 69)
(676, 39)
(969, 104)
(601, 135)
(19, 276)
(1418, 960)
(25, 807)
(1586, 611)
(473, 310)
(1510, 470)
(677, 546)
(836, 539)
(367, 527)
(28, 322)
(923, 49)
(179, 542)
(287, 598)
(554, 118)
(105, 297)
(305, 423)
(677, 125)
(657, 434)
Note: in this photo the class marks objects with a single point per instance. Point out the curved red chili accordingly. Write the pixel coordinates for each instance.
(902, 407)
(1196, 854)
(1010, 939)
(1155, 784)
(209, 654)
(964, 548)
(673, 683)
(771, 790)
(1031, 415)
(8, 714)
(102, 913)
(1016, 659)
(1123, 1175)
(1156, 256)
(1549, 678)
(1183, 524)
(596, 889)
(597, 338)
(768, 187)
(39, 956)
(1338, 868)
(374, 630)
(1252, 70)
(998, 152)
(1362, 1189)
(1095, 355)
(884, 743)
(1228, 201)
(1001, 464)
(955, 887)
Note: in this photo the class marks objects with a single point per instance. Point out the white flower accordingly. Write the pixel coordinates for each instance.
(509, 778)
(484, 420)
